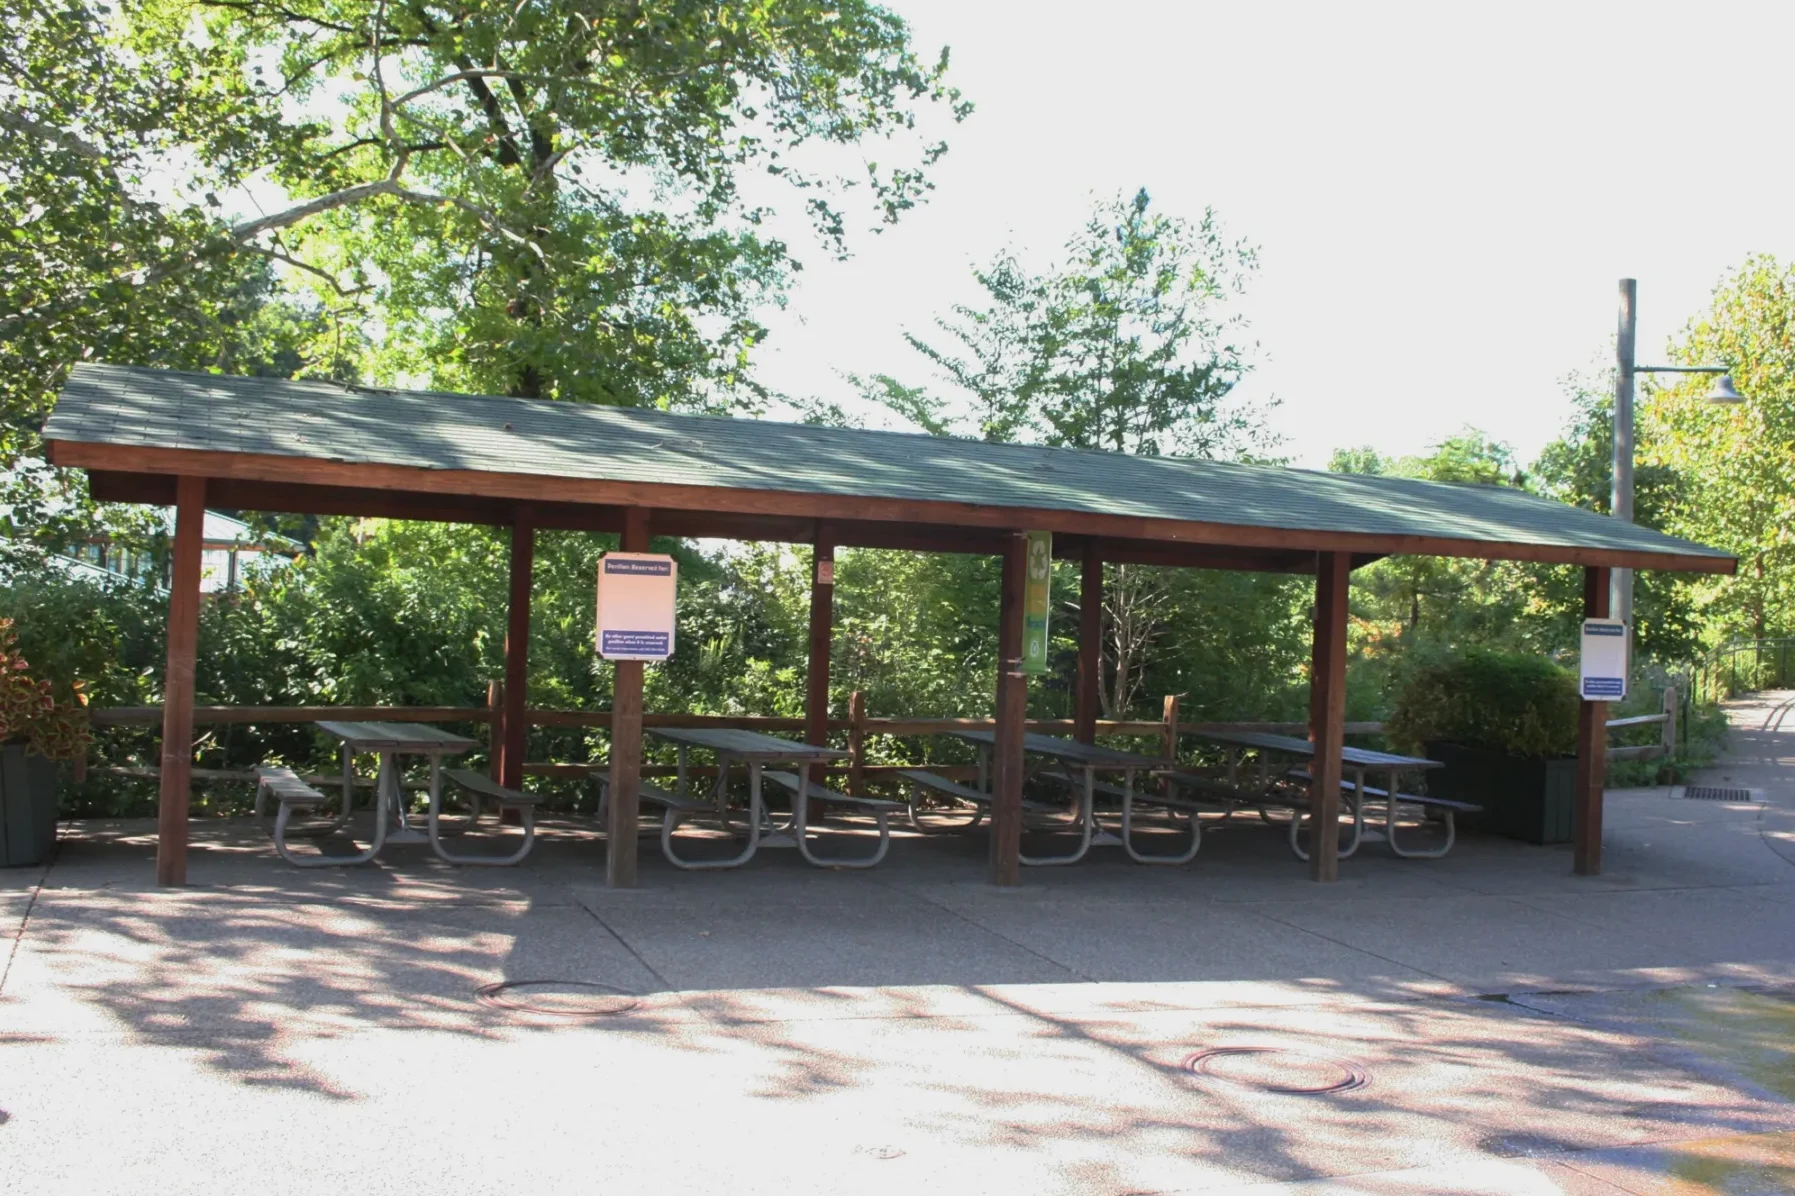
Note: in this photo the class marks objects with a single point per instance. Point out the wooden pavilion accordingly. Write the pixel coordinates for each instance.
(189, 440)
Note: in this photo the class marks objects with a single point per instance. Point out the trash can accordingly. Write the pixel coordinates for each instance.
(27, 806)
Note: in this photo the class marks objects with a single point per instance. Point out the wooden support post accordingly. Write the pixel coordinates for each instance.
(1090, 646)
(1592, 748)
(177, 683)
(1012, 710)
(626, 740)
(822, 627)
(1168, 740)
(1327, 712)
(857, 743)
(517, 649)
(495, 727)
(1672, 708)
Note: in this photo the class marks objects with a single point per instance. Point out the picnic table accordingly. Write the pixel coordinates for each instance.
(1359, 762)
(390, 741)
(756, 751)
(1082, 762)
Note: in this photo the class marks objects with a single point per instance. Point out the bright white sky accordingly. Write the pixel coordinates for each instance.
(1444, 195)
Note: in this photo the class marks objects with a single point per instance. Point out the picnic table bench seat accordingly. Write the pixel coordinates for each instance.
(1129, 798)
(921, 779)
(286, 787)
(789, 782)
(668, 800)
(675, 808)
(880, 808)
(292, 793)
(1114, 792)
(483, 788)
(1446, 805)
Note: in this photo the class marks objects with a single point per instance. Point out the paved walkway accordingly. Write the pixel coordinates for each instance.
(1510, 1028)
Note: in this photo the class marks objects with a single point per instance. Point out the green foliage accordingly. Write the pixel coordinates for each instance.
(1519, 704)
(30, 709)
(563, 198)
(1737, 488)
(1127, 345)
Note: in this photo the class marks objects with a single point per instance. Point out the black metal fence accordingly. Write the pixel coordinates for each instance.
(1745, 665)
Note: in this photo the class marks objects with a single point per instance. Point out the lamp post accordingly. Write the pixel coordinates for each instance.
(1722, 392)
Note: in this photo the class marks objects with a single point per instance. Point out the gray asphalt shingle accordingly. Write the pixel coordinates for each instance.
(131, 406)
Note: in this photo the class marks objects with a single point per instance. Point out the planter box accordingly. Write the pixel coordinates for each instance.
(27, 807)
(1532, 800)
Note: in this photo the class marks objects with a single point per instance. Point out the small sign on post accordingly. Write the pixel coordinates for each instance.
(635, 605)
(1604, 663)
(1036, 593)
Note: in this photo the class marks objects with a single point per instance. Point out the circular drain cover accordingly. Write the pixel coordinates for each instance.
(1274, 1069)
(557, 998)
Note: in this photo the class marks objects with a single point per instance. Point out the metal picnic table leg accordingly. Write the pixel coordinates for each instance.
(682, 787)
(1087, 800)
(801, 813)
(1233, 779)
(331, 861)
(403, 831)
(671, 820)
(1357, 804)
(1196, 829)
(434, 818)
(1358, 813)
(1264, 764)
(1390, 829)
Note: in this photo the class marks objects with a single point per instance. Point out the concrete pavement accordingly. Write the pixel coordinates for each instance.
(1515, 1028)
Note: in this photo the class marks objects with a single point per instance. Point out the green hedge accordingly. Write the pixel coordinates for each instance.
(1516, 703)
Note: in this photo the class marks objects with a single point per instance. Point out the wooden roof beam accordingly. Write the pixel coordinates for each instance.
(913, 512)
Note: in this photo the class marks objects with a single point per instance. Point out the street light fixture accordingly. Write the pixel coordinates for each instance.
(1721, 393)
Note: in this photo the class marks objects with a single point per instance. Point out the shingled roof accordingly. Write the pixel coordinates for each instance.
(128, 423)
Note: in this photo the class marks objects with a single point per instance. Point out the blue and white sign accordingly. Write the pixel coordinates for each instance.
(635, 605)
(1604, 669)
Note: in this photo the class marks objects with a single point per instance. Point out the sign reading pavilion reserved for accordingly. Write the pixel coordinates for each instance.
(635, 605)
(1604, 664)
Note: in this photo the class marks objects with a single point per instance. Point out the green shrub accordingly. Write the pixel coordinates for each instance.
(1515, 703)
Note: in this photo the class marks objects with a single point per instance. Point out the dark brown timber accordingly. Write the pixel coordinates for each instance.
(822, 626)
(1012, 709)
(1090, 644)
(1327, 712)
(1592, 749)
(177, 685)
(517, 649)
(522, 487)
(626, 741)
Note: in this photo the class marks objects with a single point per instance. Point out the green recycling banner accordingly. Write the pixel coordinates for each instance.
(1036, 594)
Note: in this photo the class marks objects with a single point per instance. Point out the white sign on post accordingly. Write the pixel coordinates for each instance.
(635, 605)
(1604, 671)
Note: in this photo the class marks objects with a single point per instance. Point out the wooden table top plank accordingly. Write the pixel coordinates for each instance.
(1069, 751)
(746, 745)
(395, 737)
(1363, 757)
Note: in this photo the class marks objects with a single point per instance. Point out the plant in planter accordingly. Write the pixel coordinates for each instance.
(36, 729)
(1505, 726)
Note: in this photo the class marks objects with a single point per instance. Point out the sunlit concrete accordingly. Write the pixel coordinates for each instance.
(912, 1029)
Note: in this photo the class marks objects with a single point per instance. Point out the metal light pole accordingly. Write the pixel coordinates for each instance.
(1621, 593)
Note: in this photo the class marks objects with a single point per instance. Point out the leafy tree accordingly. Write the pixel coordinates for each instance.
(559, 198)
(1126, 345)
(1578, 468)
(1395, 589)
(1738, 487)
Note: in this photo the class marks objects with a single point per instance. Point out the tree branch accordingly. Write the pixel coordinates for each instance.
(326, 275)
(61, 138)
